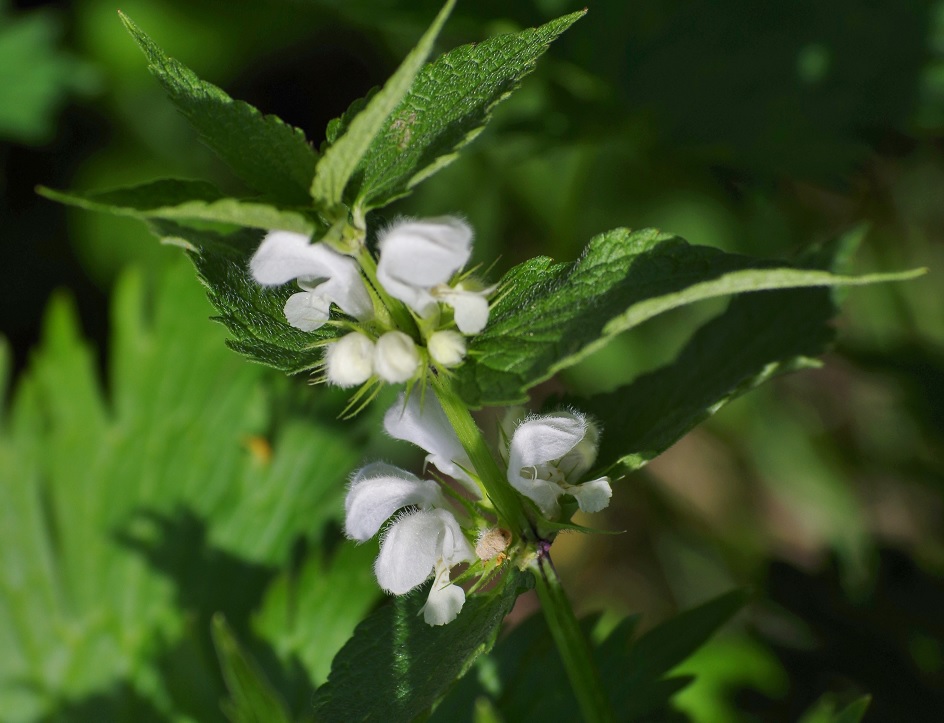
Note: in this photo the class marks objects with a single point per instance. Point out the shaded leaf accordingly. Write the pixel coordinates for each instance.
(266, 153)
(396, 666)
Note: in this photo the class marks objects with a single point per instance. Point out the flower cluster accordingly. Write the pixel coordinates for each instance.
(408, 311)
(417, 269)
(427, 535)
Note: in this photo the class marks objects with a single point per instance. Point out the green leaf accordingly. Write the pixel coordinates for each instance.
(253, 314)
(266, 153)
(132, 506)
(336, 166)
(176, 199)
(448, 105)
(549, 316)
(757, 337)
(252, 698)
(824, 711)
(524, 678)
(396, 666)
(36, 77)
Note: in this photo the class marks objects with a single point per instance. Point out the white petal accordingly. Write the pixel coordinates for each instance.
(545, 438)
(411, 546)
(346, 289)
(470, 307)
(284, 255)
(444, 601)
(417, 255)
(592, 496)
(447, 348)
(543, 493)
(307, 310)
(349, 361)
(422, 421)
(396, 359)
(377, 491)
(577, 461)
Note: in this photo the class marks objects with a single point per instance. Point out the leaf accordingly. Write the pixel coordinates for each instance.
(252, 698)
(524, 678)
(448, 105)
(130, 506)
(36, 77)
(336, 166)
(824, 711)
(549, 316)
(175, 199)
(266, 153)
(396, 666)
(253, 314)
(757, 337)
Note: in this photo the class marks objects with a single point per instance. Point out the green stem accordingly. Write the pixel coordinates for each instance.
(571, 642)
(505, 500)
(398, 312)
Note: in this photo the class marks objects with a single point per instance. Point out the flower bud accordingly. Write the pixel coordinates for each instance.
(350, 360)
(446, 347)
(395, 357)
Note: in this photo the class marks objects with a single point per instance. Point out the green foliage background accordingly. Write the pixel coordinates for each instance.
(150, 478)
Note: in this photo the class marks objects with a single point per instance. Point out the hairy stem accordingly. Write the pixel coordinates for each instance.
(505, 500)
(570, 640)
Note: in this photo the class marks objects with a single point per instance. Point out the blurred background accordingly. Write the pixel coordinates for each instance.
(755, 127)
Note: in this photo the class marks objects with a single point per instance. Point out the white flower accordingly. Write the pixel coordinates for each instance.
(548, 452)
(349, 361)
(420, 419)
(325, 276)
(446, 347)
(426, 540)
(417, 260)
(396, 359)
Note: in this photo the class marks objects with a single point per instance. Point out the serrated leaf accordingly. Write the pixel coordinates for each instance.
(336, 166)
(448, 105)
(266, 153)
(252, 698)
(526, 679)
(254, 314)
(396, 666)
(114, 493)
(551, 315)
(757, 337)
(177, 199)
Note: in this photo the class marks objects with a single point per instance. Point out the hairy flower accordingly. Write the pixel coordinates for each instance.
(349, 361)
(548, 453)
(417, 261)
(420, 419)
(424, 540)
(325, 277)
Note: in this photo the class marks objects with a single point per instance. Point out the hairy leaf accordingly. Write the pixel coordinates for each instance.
(396, 666)
(448, 105)
(342, 157)
(253, 314)
(549, 316)
(266, 153)
(527, 679)
(182, 200)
